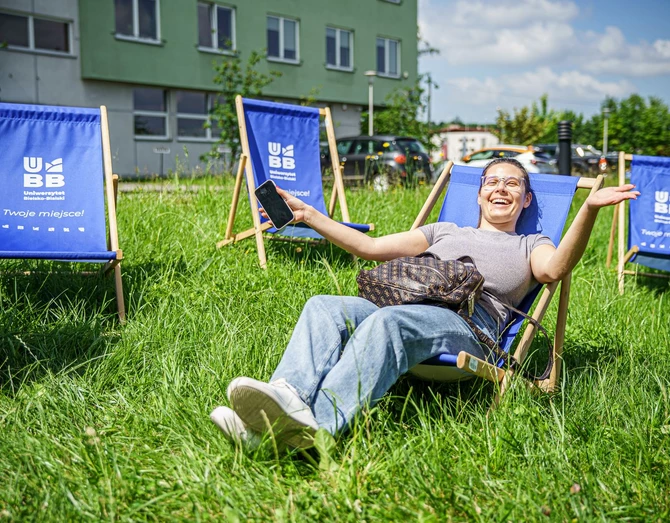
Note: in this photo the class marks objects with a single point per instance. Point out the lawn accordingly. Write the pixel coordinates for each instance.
(100, 421)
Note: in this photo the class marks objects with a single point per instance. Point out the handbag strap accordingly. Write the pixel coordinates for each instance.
(500, 354)
(510, 361)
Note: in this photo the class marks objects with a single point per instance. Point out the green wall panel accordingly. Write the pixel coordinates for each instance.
(177, 62)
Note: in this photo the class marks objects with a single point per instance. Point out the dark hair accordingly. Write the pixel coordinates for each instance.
(513, 162)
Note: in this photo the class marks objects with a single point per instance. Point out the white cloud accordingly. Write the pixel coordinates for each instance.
(572, 87)
(507, 53)
(505, 33)
(533, 33)
(538, 43)
(611, 43)
(477, 92)
(662, 47)
(609, 53)
(517, 14)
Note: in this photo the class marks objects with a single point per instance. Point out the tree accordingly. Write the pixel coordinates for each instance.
(401, 114)
(637, 127)
(582, 131)
(634, 125)
(527, 125)
(457, 121)
(235, 79)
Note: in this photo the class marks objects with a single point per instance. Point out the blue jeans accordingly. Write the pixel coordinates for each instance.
(346, 352)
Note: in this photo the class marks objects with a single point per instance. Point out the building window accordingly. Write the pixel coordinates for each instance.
(193, 112)
(283, 39)
(150, 112)
(137, 19)
(388, 57)
(216, 27)
(34, 34)
(339, 49)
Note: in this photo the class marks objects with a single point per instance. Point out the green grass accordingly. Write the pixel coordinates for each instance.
(103, 422)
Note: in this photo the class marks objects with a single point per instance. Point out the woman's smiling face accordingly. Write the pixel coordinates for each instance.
(502, 197)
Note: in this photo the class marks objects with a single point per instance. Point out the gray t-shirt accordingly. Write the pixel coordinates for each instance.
(503, 259)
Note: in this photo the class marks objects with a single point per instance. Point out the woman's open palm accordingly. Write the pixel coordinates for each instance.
(612, 196)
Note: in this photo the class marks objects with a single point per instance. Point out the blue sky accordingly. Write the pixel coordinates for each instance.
(507, 53)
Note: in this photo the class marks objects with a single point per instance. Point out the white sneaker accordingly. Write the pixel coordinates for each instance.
(233, 428)
(277, 404)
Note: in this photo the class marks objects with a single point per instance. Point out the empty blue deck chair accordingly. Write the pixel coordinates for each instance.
(547, 215)
(648, 217)
(53, 188)
(280, 142)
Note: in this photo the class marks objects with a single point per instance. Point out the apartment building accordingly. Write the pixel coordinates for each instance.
(151, 63)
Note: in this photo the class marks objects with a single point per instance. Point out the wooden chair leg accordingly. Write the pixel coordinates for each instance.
(229, 237)
(610, 247)
(120, 302)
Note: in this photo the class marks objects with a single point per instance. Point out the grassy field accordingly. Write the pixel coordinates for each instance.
(103, 422)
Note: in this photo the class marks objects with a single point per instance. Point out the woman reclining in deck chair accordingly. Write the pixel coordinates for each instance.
(345, 352)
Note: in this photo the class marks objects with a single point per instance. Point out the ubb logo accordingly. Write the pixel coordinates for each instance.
(286, 160)
(32, 165)
(661, 203)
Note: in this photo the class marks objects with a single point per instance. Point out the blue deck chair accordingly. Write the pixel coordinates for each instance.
(547, 215)
(280, 142)
(53, 189)
(648, 217)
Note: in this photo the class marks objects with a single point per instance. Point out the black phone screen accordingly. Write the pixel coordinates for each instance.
(276, 208)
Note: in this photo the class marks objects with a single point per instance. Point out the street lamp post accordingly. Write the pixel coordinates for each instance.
(606, 114)
(371, 97)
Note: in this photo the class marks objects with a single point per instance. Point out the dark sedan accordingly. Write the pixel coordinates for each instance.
(382, 160)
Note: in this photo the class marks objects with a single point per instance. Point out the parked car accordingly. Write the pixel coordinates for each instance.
(532, 158)
(586, 159)
(382, 160)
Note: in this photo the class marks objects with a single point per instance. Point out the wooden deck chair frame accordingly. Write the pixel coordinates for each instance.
(619, 221)
(477, 367)
(111, 194)
(245, 167)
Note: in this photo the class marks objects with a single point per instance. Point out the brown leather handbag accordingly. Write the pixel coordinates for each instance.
(456, 284)
(425, 279)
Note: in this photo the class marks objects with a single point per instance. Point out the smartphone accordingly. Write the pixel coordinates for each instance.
(275, 207)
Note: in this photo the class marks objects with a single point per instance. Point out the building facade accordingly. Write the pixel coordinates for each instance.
(454, 142)
(150, 62)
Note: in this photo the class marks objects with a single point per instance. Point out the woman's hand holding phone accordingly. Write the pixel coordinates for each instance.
(297, 205)
(279, 206)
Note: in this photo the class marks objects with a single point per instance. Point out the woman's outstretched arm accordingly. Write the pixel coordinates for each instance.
(552, 264)
(383, 248)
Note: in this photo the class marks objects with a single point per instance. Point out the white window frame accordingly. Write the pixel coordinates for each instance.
(163, 114)
(386, 57)
(281, 58)
(31, 35)
(135, 37)
(209, 101)
(214, 22)
(338, 58)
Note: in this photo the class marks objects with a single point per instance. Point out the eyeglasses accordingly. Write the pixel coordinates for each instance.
(511, 183)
